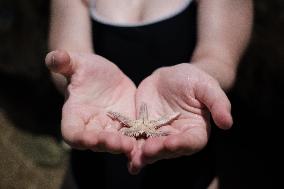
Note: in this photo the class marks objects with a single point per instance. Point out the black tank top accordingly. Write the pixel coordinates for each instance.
(138, 51)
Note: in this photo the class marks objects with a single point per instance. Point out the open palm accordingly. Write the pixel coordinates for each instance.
(95, 86)
(191, 92)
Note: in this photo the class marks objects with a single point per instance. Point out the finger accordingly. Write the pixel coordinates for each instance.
(186, 143)
(173, 146)
(133, 167)
(217, 102)
(151, 151)
(109, 142)
(154, 150)
(59, 61)
(127, 144)
(85, 140)
(113, 143)
(135, 164)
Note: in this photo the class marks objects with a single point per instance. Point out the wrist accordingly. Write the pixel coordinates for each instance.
(223, 71)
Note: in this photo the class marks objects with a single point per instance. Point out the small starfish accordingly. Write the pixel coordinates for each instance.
(143, 127)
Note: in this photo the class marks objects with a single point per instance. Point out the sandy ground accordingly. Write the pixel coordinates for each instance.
(28, 161)
(31, 152)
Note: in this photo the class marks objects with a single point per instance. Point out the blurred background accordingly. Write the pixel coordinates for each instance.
(31, 151)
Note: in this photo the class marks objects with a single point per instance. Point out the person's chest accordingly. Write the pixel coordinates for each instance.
(136, 11)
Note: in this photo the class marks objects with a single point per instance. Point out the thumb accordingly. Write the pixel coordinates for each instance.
(59, 61)
(218, 104)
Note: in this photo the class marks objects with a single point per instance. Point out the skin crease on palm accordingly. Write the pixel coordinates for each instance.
(96, 86)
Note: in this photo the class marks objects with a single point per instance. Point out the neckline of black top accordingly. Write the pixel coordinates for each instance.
(184, 11)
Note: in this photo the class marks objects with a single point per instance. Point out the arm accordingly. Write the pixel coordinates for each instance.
(92, 89)
(197, 90)
(224, 28)
(70, 29)
(70, 26)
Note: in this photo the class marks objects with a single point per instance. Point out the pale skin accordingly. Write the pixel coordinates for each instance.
(195, 90)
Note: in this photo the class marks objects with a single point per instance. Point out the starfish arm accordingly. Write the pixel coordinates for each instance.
(156, 134)
(121, 118)
(132, 132)
(164, 120)
(123, 130)
(143, 112)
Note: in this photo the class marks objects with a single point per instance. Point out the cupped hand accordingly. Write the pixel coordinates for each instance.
(186, 89)
(95, 86)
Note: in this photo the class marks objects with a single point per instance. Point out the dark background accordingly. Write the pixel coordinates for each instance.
(31, 150)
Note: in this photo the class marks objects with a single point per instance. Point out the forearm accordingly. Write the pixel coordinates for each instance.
(70, 26)
(224, 28)
(70, 30)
